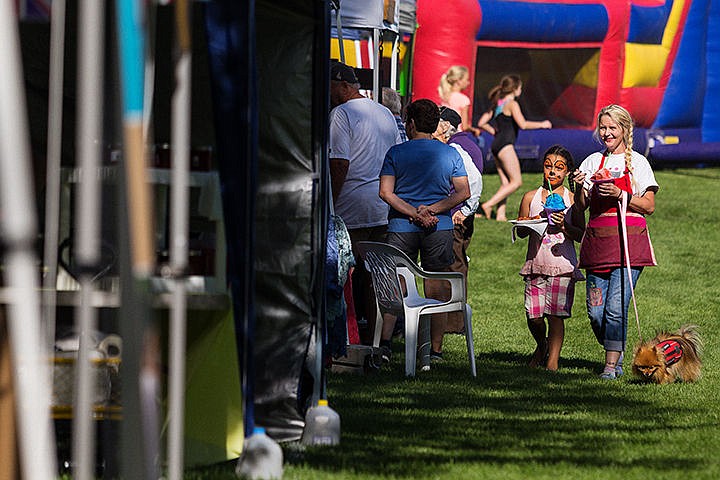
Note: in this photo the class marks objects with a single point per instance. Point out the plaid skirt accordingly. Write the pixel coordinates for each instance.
(549, 296)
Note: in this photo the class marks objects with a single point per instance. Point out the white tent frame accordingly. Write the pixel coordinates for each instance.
(368, 15)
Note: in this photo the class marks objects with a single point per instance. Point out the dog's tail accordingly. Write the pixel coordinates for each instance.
(693, 339)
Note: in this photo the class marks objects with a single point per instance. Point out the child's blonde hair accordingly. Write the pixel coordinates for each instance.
(623, 118)
(450, 78)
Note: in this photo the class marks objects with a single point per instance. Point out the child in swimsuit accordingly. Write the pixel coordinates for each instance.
(506, 118)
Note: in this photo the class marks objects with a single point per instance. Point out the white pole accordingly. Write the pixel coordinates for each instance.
(52, 176)
(179, 241)
(394, 61)
(341, 43)
(89, 141)
(18, 227)
(376, 64)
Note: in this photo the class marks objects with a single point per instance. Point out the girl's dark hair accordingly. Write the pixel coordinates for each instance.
(565, 153)
(508, 84)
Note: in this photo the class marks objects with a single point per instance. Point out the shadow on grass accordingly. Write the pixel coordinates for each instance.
(515, 359)
(509, 414)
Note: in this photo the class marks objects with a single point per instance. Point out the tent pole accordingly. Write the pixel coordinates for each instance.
(376, 64)
(146, 343)
(18, 227)
(338, 24)
(394, 62)
(54, 155)
(179, 239)
(90, 75)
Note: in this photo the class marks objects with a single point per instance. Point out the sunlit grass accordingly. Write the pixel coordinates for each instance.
(515, 423)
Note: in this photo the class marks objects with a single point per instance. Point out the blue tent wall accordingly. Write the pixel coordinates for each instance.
(231, 48)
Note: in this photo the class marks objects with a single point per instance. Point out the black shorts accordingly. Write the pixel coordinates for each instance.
(435, 248)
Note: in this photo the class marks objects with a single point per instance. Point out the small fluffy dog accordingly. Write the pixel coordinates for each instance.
(669, 357)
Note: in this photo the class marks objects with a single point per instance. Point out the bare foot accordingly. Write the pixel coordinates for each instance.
(487, 211)
(538, 357)
(551, 362)
(501, 219)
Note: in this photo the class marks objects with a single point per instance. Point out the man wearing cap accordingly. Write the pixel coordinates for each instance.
(361, 132)
(421, 180)
(463, 215)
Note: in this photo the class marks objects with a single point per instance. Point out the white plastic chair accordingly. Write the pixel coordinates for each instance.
(386, 265)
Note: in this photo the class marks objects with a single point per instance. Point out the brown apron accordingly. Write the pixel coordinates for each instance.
(601, 248)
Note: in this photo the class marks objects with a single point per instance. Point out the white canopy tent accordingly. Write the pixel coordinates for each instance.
(377, 16)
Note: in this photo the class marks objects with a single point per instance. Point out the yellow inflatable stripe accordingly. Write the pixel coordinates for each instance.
(644, 64)
(587, 75)
(673, 23)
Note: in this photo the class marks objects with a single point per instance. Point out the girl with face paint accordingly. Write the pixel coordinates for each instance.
(550, 270)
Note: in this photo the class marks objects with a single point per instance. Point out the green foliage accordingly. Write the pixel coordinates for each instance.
(512, 422)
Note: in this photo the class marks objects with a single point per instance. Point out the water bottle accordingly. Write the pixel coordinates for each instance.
(261, 459)
(322, 425)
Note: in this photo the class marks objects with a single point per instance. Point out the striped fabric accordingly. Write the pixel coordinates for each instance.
(672, 351)
(548, 296)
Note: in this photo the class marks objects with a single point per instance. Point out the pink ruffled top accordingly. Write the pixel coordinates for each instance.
(552, 254)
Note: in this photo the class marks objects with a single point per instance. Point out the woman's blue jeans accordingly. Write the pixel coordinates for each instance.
(608, 301)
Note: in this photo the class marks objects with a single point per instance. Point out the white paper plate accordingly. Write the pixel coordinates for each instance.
(533, 221)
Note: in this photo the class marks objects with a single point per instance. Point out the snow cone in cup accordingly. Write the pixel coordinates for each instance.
(553, 203)
(601, 176)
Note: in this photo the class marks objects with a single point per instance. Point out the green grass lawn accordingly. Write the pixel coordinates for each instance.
(512, 422)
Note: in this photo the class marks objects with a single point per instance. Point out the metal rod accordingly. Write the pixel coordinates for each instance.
(130, 27)
(52, 176)
(18, 228)
(89, 133)
(179, 221)
(376, 64)
(341, 43)
(394, 61)
(130, 22)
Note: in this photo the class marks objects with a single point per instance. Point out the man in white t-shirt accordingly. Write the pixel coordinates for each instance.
(361, 132)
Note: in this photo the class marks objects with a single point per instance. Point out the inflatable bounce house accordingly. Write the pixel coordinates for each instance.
(658, 58)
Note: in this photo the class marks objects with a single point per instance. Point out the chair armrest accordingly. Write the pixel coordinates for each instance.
(456, 279)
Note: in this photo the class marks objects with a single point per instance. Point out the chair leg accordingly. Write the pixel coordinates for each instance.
(469, 339)
(378, 326)
(411, 340)
(424, 342)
